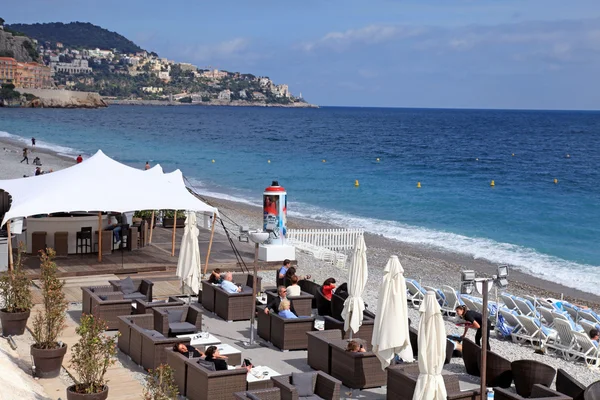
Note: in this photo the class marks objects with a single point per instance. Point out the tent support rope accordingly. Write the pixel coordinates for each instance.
(212, 234)
(100, 236)
(173, 234)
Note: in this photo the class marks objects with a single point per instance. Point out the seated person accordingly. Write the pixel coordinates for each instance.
(113, 225)
(212, 354)
(290, 273)
(294, 288)
(283, 270)
(228, 285)
(327, 288)
(186, 349)
(274, 304)
(284, 309)
(355, 347)
(594, 336)
(215, 277)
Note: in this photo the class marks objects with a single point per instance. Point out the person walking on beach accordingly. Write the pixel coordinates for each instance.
(147, 167)
(79, 159)
(25, 158)
(476, 321)
(32, 142)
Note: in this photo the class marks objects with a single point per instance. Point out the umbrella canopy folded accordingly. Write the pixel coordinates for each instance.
(432, 351)
(390, 331)
(358, 274)
(188, 265)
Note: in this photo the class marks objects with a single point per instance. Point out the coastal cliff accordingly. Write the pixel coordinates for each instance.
(49, 98)
(21, 48)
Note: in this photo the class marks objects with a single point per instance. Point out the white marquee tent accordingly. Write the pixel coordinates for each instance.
(100, 184)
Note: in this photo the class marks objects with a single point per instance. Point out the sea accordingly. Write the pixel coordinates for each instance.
(542, 215)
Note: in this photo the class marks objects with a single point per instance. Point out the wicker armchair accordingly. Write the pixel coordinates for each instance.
(189, 322)
(178, 362)
(208, 296)
(247, 280)
(326, 387)
(310, 288)
(413, 336)
(290, 334)
(366, 329)
(203, 384)
(109, 306)
(323, 305)
(146, 307)
(592, 392)
(537, 392)
(142, 287)
(319, 350)
(263, 323)
(471, 357)
(145, 321)
(262, 394)
(498, 371)
(356, 370)
(86, 296)
(568, 385)
(527, 373)
(301, 305)
(234, 306)
(153, 346)
(402, 381)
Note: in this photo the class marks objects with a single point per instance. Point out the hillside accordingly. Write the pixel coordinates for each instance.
(77, 35)
(16, 46)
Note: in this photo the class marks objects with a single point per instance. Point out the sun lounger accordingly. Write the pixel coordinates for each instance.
(470, 303)
(589, 325)
(452, 300)
(415, 293)
(567, 317)
(546, 314)
(526, 307)
(565, 342)
(535, 332)
(589, 315)
(510, 317)
(439, 295)
(508, 301)
(572, 310)
(588, 350)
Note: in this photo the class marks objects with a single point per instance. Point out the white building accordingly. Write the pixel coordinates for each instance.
(225, 95)
(97, 53)
(164, 75)
(75, 67)
(152, 89)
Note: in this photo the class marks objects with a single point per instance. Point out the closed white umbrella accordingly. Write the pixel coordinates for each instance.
(390, 331)
(188, 265)
(357, 280)
(432, 351)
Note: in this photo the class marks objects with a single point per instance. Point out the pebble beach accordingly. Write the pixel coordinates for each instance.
(430, 266)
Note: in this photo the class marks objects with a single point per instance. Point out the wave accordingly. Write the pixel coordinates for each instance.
(579, 276)
(60, 150)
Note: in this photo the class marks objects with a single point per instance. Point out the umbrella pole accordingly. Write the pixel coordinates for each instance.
(10, 252)
(100, 236)
(151, 227)
(173, 234)
(253, 294)
(212, 234)
(350, 318)
(484, 339)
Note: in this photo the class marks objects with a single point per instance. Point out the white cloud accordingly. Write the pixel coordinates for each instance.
(227, 50)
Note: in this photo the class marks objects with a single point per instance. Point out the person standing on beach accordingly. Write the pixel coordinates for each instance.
(25, 158)
(147, 167)
(32, 142)
(79, 159)
(476, 321)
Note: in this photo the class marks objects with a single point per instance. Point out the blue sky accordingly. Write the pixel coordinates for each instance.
(542, 54)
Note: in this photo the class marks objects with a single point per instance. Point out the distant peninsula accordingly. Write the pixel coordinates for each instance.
(83, 57)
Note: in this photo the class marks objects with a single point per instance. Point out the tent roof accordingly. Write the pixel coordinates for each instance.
(100, 184)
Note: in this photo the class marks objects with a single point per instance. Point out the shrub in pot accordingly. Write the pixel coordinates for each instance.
(47, 351)
(16, 298)
(90, 358)
(160, 384)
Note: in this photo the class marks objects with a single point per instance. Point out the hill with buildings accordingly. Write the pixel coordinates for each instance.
(77, 35)
(17, 46)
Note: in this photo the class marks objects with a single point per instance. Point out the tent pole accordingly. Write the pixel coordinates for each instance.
(484, 339)
(173, 235)
(100, 236)
(151, 227)
(10, 253)
(212, 234)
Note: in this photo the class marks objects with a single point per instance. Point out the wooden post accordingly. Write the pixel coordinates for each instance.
(100, 236)
(484, 339)
(212, 234)
(10, 253)
(173, 236)
(151, 227)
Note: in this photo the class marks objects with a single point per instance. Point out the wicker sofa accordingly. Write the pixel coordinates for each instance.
(146, 307)
(208, 289)
(356, 370)
(261, 394)
(142, 289)
(498, 371)
(319, 349)
(527, 373)
(290, 334)
(145, 321)
(178, 362)
(179, 320)
(471, 357)
(203, 384)
(234, 306)
(302, 305)
(326, 387)
(310, 288)
(402, 381)
(86, 296)
(366, 329)
(568, 385)
(537, 392)
(108, 307)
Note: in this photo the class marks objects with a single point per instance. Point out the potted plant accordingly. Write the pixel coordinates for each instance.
(47, 352)
(169, 218)
(16, 298)
(138, 216)
(160, 384)
(90, 358)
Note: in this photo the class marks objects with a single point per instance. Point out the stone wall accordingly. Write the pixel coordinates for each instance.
(64, 98)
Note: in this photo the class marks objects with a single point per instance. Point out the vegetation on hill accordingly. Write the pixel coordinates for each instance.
(77, 35)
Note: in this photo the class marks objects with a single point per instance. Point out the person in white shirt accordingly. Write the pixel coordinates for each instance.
(113, 225)
(294, 288)
(228, 286)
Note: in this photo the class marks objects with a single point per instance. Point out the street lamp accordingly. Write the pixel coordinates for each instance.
(258, 237)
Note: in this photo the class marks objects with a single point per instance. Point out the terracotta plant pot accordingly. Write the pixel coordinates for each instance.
(48, 362)
(13, 323)
(71, 395)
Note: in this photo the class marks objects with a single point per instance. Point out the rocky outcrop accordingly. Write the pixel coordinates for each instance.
(16, 47)
(50, 98)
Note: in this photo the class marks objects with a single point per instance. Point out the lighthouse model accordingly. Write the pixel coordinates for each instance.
(275, 223)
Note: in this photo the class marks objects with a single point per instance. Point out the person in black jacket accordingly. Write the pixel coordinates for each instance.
(274, 304)
(187, 349)
(212, 354)
(476, 321)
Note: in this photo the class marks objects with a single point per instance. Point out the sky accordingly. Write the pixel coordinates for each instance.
(532, 54)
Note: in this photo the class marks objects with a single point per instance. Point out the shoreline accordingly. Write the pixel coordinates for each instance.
(235, 103)
(431, 266)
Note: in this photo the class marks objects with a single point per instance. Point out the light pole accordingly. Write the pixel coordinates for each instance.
(258, 237)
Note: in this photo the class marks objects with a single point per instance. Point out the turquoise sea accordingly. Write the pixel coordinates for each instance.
(546, 229)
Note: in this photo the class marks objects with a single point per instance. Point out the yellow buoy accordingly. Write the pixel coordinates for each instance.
(377, 159)
(493, 183)
(213, 160)
(356, 183)
(513, 154)
(418, 185)
(323, 160)
(269, 161)
(555, 181)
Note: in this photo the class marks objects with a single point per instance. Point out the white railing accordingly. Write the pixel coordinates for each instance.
(332, 239)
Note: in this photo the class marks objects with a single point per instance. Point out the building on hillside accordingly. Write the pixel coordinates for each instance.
(214, 74)
(280, 91)
(8, 70)
(59, 45)
(225, 95)
(258, 96)
(25, 75)
(164, 75)
(264, 82)
(75, 67)
(152, 89)
(97, 53)
(242, 94)
(187, 67)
